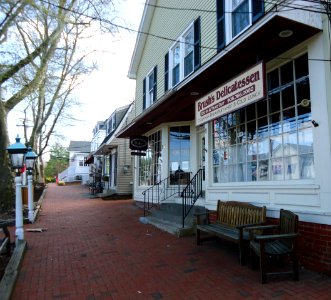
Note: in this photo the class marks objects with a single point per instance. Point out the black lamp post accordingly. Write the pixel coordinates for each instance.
(30, 159)
(17, 152)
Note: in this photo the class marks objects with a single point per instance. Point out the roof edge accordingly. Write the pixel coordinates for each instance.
(141, 37)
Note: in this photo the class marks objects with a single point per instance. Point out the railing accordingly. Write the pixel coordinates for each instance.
(164, 189)
(191, 193)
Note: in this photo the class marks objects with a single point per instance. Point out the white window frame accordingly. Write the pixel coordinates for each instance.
(228, 19)
(181, 42)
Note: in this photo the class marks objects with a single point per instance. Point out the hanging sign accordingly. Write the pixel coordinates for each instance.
(138, 143)
(240, 91)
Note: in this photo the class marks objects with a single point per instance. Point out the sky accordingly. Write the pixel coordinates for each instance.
(106, 88)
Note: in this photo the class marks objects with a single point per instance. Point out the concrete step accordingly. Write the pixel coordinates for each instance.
(168, 217)
(169, 226)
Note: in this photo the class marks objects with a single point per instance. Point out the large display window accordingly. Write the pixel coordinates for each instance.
(271, 139)
(150, 165)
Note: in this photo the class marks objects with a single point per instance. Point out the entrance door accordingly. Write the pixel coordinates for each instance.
(202, 152)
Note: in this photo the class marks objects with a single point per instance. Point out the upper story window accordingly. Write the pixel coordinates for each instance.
(234, 16)
(183, 57)
(149, 88)
(240, 18)
(111, 124)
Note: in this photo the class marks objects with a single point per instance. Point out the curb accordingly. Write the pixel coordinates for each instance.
(9, 278)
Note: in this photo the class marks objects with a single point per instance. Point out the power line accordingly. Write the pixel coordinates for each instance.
(274, 2)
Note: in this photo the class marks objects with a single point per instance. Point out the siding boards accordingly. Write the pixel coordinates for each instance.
(170, 24)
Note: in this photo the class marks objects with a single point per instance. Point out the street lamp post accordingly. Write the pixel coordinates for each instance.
(17, 152)
(29, 162)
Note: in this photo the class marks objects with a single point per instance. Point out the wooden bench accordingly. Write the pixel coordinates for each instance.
(5, 240)
(231, 219)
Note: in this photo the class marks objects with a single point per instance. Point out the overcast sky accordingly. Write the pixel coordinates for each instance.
(106, 89)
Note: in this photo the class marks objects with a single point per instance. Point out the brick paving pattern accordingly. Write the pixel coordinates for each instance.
(96, 249)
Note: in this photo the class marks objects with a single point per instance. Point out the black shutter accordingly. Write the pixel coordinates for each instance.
(144, 94)
(258, 10)
(155, 84)
(197, 44)
(166, 72)
(220, 25)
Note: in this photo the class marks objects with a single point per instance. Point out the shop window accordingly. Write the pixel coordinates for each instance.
(183, 57)
(234, 17)
(150, 165)
(271, 139)
(149, 88)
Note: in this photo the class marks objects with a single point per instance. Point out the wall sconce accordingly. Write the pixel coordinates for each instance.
(315, 124)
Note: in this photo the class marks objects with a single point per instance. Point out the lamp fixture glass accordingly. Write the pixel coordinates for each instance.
(30, 159)
(17, 152)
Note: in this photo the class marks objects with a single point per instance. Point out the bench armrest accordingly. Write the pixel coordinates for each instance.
(276, 236)
(261, 227)
(7, 223)
(249, 226)
(206, 214)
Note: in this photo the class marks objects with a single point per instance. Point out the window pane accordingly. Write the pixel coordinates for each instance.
(290, 144)
(306, 163)
(301, 66)
(175, 75)
(275, 124)
(277, 169)
(263, 149)
(292, 167)
(188, 64)
(240, 18)
(276, 146)
(250, 112)
(289, 120)
(263, 172)
(241, 172)
(262, 108)
(305, 143)
(150, 165)
(251, 151)
(189, 43)
(251, 171)
(176, 55)
(273, 80)
(288, 99)
(286, 73)
(274, 102)
(303, 90)
(263, 127)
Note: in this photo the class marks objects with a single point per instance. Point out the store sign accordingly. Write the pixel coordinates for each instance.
(240, 91)
(138, 143)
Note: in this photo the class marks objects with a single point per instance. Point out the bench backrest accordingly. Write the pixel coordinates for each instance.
(234, 213)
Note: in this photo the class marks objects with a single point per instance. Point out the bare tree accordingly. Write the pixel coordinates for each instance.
(40, 64)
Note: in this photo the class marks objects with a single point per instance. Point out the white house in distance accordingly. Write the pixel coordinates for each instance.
(77, 170)
(238, 92)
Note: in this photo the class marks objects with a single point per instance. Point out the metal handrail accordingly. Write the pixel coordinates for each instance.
(163, 190)
(191, 193)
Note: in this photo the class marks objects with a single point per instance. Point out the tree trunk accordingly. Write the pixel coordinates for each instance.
(7, 192)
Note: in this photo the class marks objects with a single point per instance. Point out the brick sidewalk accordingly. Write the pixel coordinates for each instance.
(96, 249)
